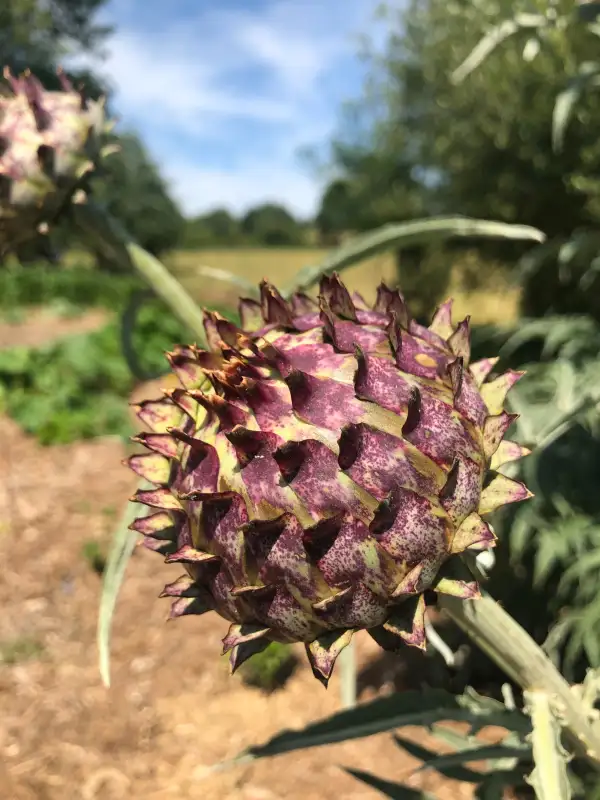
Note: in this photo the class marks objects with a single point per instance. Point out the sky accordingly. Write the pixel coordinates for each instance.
(224, 93)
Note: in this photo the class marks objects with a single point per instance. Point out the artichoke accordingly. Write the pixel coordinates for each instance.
(322, 468)
(49, 142)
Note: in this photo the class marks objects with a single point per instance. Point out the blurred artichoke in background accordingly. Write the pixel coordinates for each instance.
(49, 142)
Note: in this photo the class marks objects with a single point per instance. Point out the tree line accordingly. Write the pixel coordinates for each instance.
(413, 143)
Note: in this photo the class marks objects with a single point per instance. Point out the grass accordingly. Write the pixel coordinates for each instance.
(22, 648)
(498, 302)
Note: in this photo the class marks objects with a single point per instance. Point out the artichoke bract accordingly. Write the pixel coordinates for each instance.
(321, 468)
(49, 141)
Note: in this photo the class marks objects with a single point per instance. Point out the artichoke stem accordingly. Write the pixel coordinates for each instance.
(108, 236)
(347, 662)
(524, 661)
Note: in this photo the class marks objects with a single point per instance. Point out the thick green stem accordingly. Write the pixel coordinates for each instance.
(524, 661)
(107, 235)
(347, 664)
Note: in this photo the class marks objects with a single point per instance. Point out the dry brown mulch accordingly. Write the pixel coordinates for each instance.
(172, 710)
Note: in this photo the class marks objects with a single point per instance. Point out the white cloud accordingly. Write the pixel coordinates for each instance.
(199, 78)
(198, 189)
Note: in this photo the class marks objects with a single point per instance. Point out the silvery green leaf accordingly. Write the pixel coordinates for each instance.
(395, 236)
(588, 74)
(386, 714)
(122, 546)
(531, 49)
(495, 37)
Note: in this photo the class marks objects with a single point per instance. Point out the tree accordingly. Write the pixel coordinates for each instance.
(217, 228)
(38, 34)
(272, 225)
(481, 148)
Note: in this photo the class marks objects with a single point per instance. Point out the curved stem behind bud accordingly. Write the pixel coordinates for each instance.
(112, 239)
(524, 661)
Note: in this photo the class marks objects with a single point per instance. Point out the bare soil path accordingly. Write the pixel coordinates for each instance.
(172, 711)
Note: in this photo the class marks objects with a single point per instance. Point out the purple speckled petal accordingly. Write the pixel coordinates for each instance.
(427, 335)
(467, 399)
(219, 585)
(337, 296)
(158, 415)
(220, 331)
(378, 461)
(315, 359)
(507, 452)
(441, 324)
(162, 546)
(390, 301)
(473, 532)
(157, 498)
(413, 530)
(240, 634)
(307, 322)
(311, 469)
(460, 496)
(272, 405)
(494, 430)
(262, 477)
(287, 561)
(189, 605)
(199, 467)
(185, 365)
(223, 516)
(186, 554)
(418, 357)
(250, 314)
(303, 304)
(494, 393)
(284, 614)
(161, 525)
(354, 607)
(151, 467)
(322, 401)
(481, 369)
(372, 318)
(184, 586)
(405, 626)
(501, 491)
(439, 433)
(183, 400)
(346, 336)
(378, 380)
(249, 444)
(407, 622)
(323, 652)
(246, 650)
(347, 554)
(229, 414)
(274, 308)
(213, 339)
(162, 443)
(460, 341)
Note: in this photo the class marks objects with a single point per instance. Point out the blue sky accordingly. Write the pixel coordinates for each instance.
(225, 92)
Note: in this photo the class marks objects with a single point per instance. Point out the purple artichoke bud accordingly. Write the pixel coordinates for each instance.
(322, 467)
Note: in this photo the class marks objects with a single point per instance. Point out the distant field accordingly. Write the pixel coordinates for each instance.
(496, 303)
